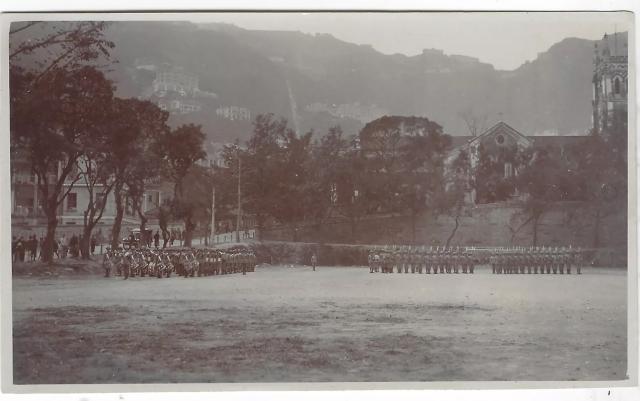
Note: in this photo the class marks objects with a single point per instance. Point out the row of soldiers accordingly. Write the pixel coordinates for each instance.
(234, 260)
(413, 259)
(536, 260)
(458, 260)
(183, 262)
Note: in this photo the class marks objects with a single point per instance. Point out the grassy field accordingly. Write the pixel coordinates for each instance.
(336, 324)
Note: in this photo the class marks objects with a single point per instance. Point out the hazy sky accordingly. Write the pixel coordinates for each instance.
(505, 40)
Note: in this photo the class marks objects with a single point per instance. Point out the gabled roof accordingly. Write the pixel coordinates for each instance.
(506, 128)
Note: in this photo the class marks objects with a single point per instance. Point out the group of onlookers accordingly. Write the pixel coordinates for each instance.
(21, 246)
(62, 247)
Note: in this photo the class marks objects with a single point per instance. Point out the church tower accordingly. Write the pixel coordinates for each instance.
(610, 87)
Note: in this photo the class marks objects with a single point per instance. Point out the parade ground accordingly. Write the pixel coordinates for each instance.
(289, 324)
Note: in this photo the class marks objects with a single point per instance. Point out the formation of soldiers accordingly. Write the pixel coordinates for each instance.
(536, 260)
(417, 259)
(532, 260)
(234, 260)
(161, 263)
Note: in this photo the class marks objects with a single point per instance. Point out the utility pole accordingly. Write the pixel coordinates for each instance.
(239, 199)
(213, 215)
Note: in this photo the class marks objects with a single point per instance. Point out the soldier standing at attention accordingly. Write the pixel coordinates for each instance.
(244, 263)
(427, 262)
(561, 260)
(414, 260)
(386, 262)
(375, 260)
(406, 260)
(578, 261)
(314, 261)
(506, 263)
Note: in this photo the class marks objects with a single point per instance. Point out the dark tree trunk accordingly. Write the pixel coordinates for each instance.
(163, 221)
(85, 244)
(143, 221)
(453, 233)
(189, 226)
(117, 221)
(52, 225)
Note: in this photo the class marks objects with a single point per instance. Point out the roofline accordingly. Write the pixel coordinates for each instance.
(495, 126)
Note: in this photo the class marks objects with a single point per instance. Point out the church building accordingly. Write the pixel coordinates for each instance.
(501, 139)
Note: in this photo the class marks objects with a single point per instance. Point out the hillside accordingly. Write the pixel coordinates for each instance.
(317, 81)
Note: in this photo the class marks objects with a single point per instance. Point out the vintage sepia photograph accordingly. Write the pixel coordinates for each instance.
(289, 197)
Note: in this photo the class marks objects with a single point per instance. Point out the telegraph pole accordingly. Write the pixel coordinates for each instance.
(213, 215)
(239, 198)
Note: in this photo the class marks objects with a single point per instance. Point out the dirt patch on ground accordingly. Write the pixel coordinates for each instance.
(60, 267)
(337, 324)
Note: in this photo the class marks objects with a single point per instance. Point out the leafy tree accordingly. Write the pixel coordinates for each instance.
(489, 180)
(98, 182)
(181, 149)
(262, 164)
(135, 154)
(381, 143)
(330, 159)
(453, 199)
(422, 178)
(292, 203)
(356, 189)
(400, 152)
(196, 207)
(41, 47)
(51, 77)
(543, 180)
(70, 108)
(601, 177)
(225, 179)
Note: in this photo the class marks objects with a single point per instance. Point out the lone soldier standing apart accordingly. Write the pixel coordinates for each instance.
(314, 261)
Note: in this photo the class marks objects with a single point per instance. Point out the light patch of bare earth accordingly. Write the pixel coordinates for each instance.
(336, 324)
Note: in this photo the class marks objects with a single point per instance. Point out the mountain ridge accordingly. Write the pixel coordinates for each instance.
(317, 80)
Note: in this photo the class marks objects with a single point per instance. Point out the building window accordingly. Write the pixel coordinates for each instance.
(616, 86)
(508, 170)
(500, 139)
(72, 201)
